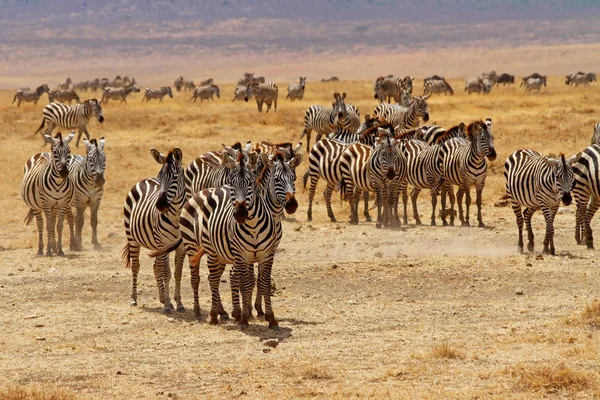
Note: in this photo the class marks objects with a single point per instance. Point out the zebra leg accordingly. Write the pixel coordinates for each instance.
(275, 105)
(160, 283)
(549, 214)
(79, 215)
(353, 193)
(166, 268)
(443, 201)
(50, 230)
(259, 292)
(268, 106)
(71, 222)
(516, 207)
(591, 210)
(459, 197)
(195, 280)
(327, 195)
(579, 219)
(134, 255)
(366, 207)
(264, 282)
(234, 283)
(379, 199)
(467, 205)
(59, 230)
(259, 103)
(40, 225)
(528, 213)
(413, 197)
(311, 196)
(394, 201)
(404, 189)
(179, 258)
(433, 206)
(94, 223)
(478, 191)
(244, 284)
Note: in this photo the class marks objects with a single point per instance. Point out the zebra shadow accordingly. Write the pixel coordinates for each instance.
(260, 330)
(187, 316)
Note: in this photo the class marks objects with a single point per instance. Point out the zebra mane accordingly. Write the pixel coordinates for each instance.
(450, 133)
(474, 128)
(237, 146)
(407, 134)
(59, 137)
(94, 142)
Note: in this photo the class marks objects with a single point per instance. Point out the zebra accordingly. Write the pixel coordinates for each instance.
(151, 219)
(63, 96)
(153, 93)
(179, 83)
(46, 188)
(578, 79)
(377, 169)
(392, 87)
(526, 78)
(66, 85)
(206, 93)
(296, 91)
(463, 164)
(27, 96)
(437, 86)
(405, 117)
(596, 135)
(478, 85)
(331, 79)
(505, 79)
(207, 82)
(326, 120)
(537, 183)
(87, 174)
(239, 93)
(324, 162)
(263, 93)
(121, 93)
(189, 85)
(434, 134)
(535, 83)
(71, 117)
(591, 77)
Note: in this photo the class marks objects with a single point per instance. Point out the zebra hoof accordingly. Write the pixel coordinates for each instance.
(530, 247)
(378, 225)
(197, 312)
(224, 317)
(418, 222)
(368, 219)
(61, 253)
(433, 223)
(444, 223)
(520, 249)
(465, 224)
(167, 310)
(274, 327)
(214, 320)
(481, 225)
(40, 252)
(309, 219)
(97, 246)
(49, 253)
(133, 303)
(332, 219)
(180, 309)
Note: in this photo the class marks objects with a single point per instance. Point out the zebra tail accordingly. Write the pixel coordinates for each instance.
(343, 188)
(437, 185)
(29, 217)
(125, 256)
(305, 178)
(195, 259)
(167, 249)
(41, 127)
(14, 99)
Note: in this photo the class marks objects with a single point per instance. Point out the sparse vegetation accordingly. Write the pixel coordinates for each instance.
(445, 351)
(552, 378)
(35, 393)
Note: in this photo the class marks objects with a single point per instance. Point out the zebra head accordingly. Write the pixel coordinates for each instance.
(385, 153)
(217, 91)
(377, 88)
(407, 83)
(169, 91)
(302, 82)
(420, 108)
(61, 152)
(284, 177)
(97, 108)
(170, 178)
(42, 89)
(76, 97)
(563, 171)
(96, 159)
(340, 113)
(481, 136)
(250, 89)
(242, 180)
(596, 135)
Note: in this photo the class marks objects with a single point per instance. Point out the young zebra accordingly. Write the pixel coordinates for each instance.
(76, 116)
(154, 93)
(535, 83)
(151, 212)
(178, 83)
(263, 93)
(87, 174)
(46, 188)
(404, 117)
(205, 93)
(388, 88)
(537, 183)
(63, 96)
(378, 169)
(239, 93)
(324, 162)
(28, 96)
(296, 91)
(434, 134)
(120, 93)
(326, 120)
(232, 225)
(437, 86)
(463, 164)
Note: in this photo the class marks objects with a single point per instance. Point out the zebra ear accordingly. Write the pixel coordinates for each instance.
(252, 160)
(266, 160)
(101, 143)
(298, 148)
(178, 154)
(552, 162)
(159, 158)
(70, 137)
(88, 145)
(343, 95)
(227, 160)
(49, 139)
(426, 96)
(297, 160)
(229, 150)
(572, 160)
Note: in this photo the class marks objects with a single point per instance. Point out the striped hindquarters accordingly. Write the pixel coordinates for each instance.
(157, 93)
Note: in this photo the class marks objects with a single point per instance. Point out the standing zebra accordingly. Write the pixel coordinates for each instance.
(535, 83)
(390, 88)
(151, 211)
(205, 93)
(326, 120)
(296, 91)
(207, 82)
(66, 85)
(437, 86)
(404, 117)
(463, 164)
(76, 116)
(189, 85)
(154, 93)
(505, 79)
(178, 83)
(478, 85)
(46, 188)
(239, 93)
(63, 96)
(28, 96)
(537, 182)
(87, 174)
(120, 93)
(378, 169)
(434, 134)
(526, 78)
(263, 93)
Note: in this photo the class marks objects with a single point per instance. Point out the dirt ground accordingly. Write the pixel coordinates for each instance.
(420, 312)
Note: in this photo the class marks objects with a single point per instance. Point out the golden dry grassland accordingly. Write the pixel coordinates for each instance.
(421, 312)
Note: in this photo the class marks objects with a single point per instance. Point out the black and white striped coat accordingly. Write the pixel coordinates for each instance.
(435, 134)
(151, 219)
(178, 83)
(87, 174)
(388, 88)
(401, 117)
(206, 93)
(437, 86)
(62, 96)
(47, 189)
(478, 85)
(296, 91)
(266, 93)
(118, 93)
(29, 96)
(463, 164)
(239, 93)
(325, 120)
(157, 93)
(535, 84)
(77, 116)
(536, 183)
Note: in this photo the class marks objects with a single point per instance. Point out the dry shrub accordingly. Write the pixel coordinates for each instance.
(445, 351)
(590, 316)
(552, 378)
(316, 373)
(35, 393)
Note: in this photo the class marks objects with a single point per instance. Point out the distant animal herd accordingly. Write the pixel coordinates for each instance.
(229, 203)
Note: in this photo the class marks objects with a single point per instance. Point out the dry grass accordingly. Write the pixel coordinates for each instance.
(370, 327)
(590, 316)
(36, 393)
(552, 378)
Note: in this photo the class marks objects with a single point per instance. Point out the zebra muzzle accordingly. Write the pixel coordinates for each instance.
(566, 198)
(492, 155)
(391, 172)
(99, 181)
(426, 117)
(101, 119)
(291, 204)
(162, 203)
(241, 212)
(63, 172)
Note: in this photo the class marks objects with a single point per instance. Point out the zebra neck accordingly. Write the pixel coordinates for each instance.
(477, 158)
(85, 174)
(256, 210)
